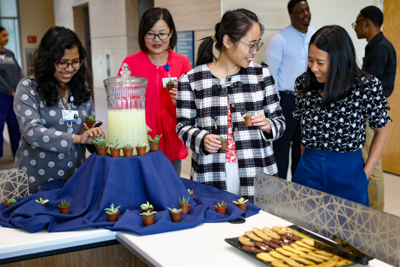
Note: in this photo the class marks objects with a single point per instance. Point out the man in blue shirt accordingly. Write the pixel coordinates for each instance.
(380, 61)
(287, 56)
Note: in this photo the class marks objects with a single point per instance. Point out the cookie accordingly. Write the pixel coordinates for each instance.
(292, 236)
(306, 250)
(265, 257)
(277, 263)
(276, 255)
(293, 250)
(244, 240)
(308, 241)
(302, 260)
(285, 252)
(260, 233)
(263, 247)
(268, 231)
(304, 245)
(253, 236)
(282, 229)
(323, 252)
(325, 258)
(251, 249)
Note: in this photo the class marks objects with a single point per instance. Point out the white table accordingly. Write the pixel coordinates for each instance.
(203, 245)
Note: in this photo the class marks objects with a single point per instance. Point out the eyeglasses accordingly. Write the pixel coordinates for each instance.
(161, 36)
(76, 64)
(354, 24)
(255, 46)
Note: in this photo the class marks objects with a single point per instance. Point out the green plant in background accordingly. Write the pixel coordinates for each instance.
(99, 141)
(64, 203)
(146, 206)
(141, 144)
(171, 82)
(155, 140)
(148, 213)
(112, 210)
(42, 201)
(114, 145)
(127, 146)
(11, 201)
(221, 205)
(190, 192)
(174, 210)
(240, 201)
(184, 200)
(90, 118)
(221, 139)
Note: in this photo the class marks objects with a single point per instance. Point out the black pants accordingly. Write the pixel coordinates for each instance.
(291, 136)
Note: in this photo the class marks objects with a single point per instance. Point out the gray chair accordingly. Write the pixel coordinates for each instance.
(13, 184)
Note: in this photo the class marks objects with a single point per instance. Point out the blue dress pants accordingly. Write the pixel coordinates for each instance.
(7, 115)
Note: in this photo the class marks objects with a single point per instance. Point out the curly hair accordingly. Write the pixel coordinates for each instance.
(50, 51)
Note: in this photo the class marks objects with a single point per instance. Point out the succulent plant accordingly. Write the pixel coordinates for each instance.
(100, 142)
(114, 145)
(11, 201)
(190, 192)
(171, 82)
(240, 201)
(127, 146)
(155, 140)
(221, 205)
(221, 139)
(148, 213)
(174, 210)
(184, 200)
(146, 206)
(248, 115)
(141, 144)
(112, 210)
(64, 203)
(90, 118)
(42, 201)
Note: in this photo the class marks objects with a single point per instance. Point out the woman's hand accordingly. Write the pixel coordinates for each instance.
(211, 143)
(261, 121)
(173, 93)
(90, 134)
(148, 129)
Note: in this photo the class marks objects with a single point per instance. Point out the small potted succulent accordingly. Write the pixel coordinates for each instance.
(141, 148)
(184, 204)
(64, 206)
(220, 207)
(170, 85)
(100, 144)
(112, 213)
(10, 202)
(115, 149)
(247, 119)
(146, 206)
(176, 214)
(148, 217)
(42, 201)
(191, 193)
(224, 143)
(89, 120)
(128, 150)
(241, 203)
(154, 143)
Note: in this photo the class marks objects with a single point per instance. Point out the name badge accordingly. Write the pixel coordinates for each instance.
(166, 80)
(70, 115)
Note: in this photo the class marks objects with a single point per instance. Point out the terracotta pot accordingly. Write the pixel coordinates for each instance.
(224, 145)
(176, 217)
(149, 220)
(128, 152)
(220, 210)
(170, 86)
(141, 151)
(192, 195)
(242, 206)
(7, 204)
(113, 217)
(102, 151)
(148, 209)
(64, 210)
(185, 208)
(115, 152)
(154, 146)
(247, 121)
(89, 123)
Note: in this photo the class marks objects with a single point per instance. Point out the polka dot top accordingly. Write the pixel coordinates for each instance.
(341, 126)
(46, 151)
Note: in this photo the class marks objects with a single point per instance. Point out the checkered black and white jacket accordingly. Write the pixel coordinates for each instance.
(202, 102)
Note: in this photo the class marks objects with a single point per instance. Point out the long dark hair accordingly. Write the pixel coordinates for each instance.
(51, 49)
(149, 18)
(2, 28)
(235, 24)
(343, 70)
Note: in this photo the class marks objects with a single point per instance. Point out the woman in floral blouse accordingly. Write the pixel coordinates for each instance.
(334, 99)
(212, 99)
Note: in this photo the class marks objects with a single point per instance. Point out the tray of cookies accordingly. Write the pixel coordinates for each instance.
(293, 246)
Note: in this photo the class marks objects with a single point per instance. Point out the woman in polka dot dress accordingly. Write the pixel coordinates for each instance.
(45, 104)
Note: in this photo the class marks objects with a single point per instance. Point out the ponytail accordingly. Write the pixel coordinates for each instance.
(205, 52)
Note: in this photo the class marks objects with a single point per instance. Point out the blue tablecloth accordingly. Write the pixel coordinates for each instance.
(125, 182)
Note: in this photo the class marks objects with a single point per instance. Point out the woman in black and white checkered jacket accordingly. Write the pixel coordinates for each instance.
(213, 98)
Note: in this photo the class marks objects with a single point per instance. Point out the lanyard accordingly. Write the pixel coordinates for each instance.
(166, 66)
(70, 100)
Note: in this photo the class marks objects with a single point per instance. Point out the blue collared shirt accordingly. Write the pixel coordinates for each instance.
(287, 56)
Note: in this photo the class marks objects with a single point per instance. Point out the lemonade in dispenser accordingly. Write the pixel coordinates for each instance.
(126, 108)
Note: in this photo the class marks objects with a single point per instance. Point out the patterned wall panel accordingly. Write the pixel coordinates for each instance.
(13, 183)
(371, 231)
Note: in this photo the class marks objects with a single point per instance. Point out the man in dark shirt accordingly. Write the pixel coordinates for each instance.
(380, 61)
